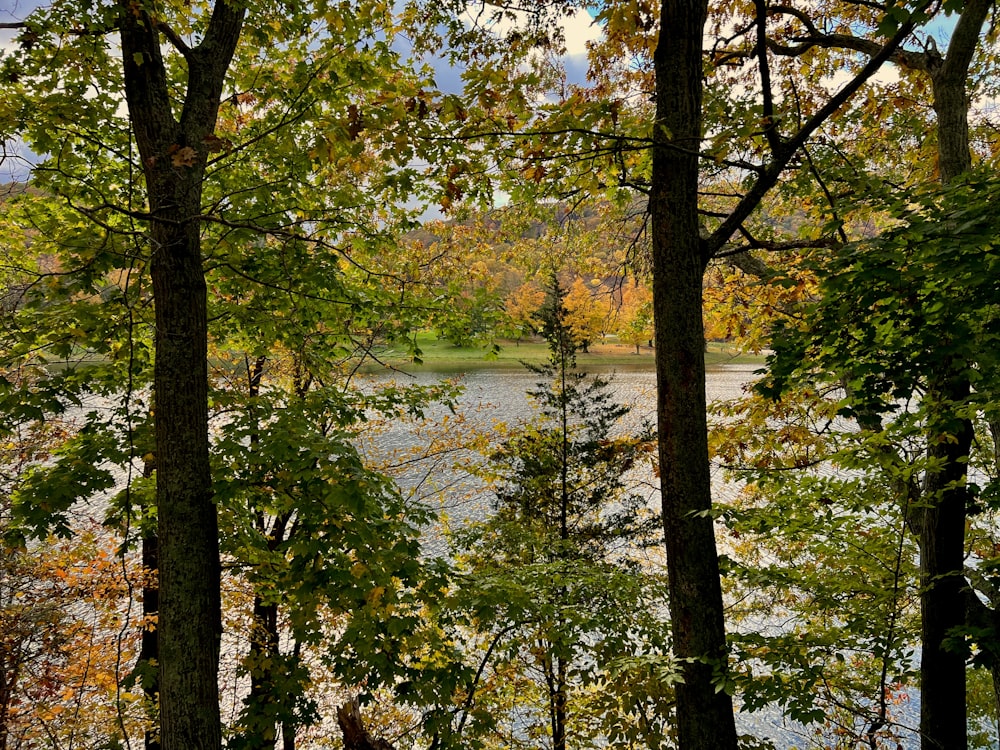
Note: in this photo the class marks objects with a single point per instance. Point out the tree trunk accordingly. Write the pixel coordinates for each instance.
(949, 77)
(356, 735)
(288, 729)
(704, 711)
(174, 153)
(941, 535)
(190, 610)
(555, 678)
(149, 647)
(264, 660)
(942, 599)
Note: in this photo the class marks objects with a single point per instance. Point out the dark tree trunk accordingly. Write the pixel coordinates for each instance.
(288, 729)
(149, 652)
(704, 712)
(555, 677)
(173, 152)
(190, 619)
(7, 684)
(264, 660)
(942, 599)
(949, 77)
(941, 532)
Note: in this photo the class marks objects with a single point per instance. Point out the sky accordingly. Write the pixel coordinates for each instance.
(579, 28)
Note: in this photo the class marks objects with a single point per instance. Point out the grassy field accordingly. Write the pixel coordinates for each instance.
(442, 355)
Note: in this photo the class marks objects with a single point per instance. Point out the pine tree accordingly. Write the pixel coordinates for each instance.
(552, 565)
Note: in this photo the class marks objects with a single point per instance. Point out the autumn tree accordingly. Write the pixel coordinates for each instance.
(586, 317)
(905, 334)
(598, 138)
(635, 315)
(65, 645)
(937, 513)
(522, 307)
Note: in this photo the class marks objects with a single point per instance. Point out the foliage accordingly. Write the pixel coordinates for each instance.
(522, 307)
(914, 303)
(586, 317)
(326, 140)
(900, 319)
(298, 214)
(562, 606)
(64, 616)
(635, 317)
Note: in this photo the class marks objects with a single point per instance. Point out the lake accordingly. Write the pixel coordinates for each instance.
(499, 395)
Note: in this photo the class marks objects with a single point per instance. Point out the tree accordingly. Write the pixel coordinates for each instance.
(940, 526)
(919, 336)
(522, 307)
(331, 552)
(679, 257)
(550, 573)
(635, 317)
(209, 164)
(64, 641)
(585, 319)
(818, 542)
(174, 151)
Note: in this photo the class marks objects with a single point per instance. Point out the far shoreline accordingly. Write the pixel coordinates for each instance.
(437, 355)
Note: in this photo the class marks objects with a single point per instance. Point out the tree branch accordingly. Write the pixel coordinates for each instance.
(356, 735)
(770, 126)
(767, 179)
(179, 44)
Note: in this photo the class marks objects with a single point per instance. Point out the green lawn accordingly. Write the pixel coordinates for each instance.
(442, 355)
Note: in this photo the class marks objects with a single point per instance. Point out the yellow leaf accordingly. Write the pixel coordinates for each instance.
(184, 157)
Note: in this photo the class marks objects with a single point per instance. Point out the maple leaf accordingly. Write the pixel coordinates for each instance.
(184, 157)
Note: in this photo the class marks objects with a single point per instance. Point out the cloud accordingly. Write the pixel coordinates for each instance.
(580, 28)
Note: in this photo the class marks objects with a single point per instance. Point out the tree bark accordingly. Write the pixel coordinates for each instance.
(173, 152)
(941, 537)
(942, 586)
(265, 660)
(149, 651)
(356, 735)
(704, 711)
(949, 77)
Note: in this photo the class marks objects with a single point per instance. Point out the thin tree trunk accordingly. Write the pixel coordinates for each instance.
(149, 652)
(288, 729)
(559, 705)
(941, 537)
(264, 659)
(7, 679)
(704, 711)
